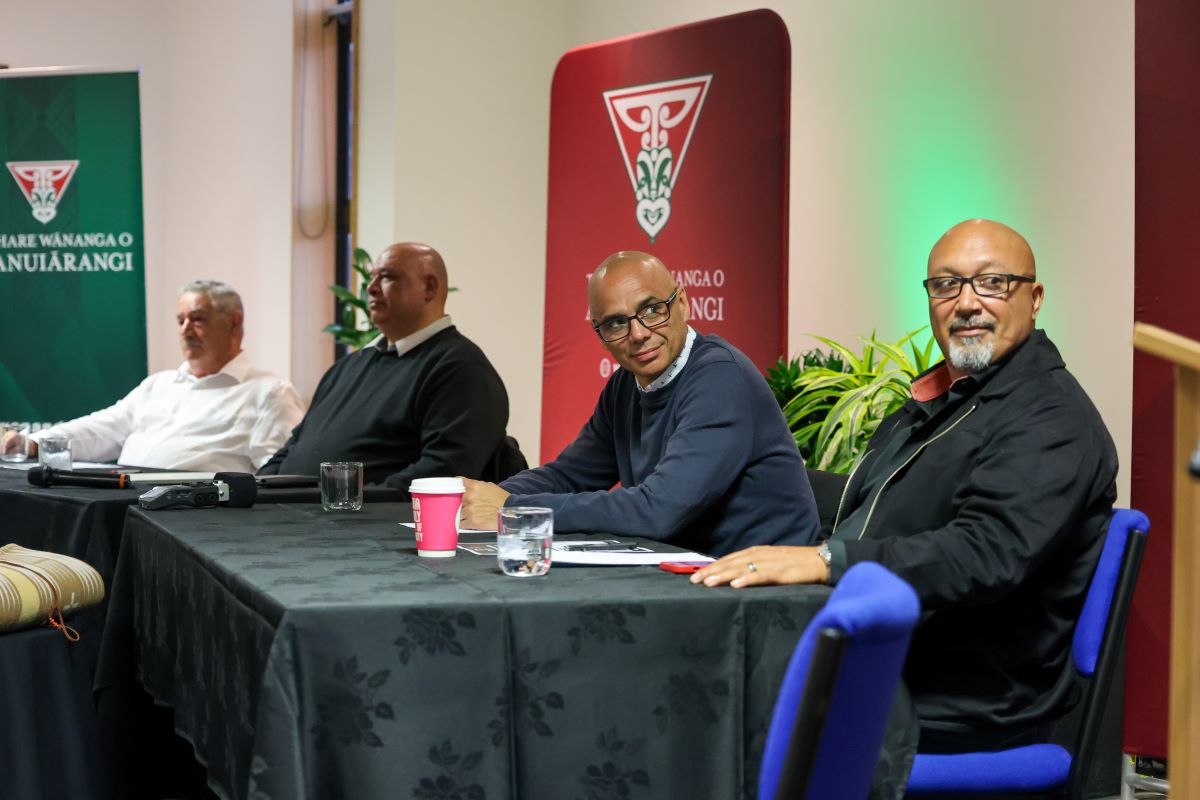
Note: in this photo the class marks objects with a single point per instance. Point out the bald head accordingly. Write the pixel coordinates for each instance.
(629, 286)
(624, 263)
(987, 238)
(407, 290)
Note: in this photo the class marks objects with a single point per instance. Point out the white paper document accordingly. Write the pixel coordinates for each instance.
(618, 558)
(28, 465)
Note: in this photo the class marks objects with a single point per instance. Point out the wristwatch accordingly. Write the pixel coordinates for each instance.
(824, 554)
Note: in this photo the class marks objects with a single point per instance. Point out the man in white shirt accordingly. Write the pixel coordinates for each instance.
(216, 412)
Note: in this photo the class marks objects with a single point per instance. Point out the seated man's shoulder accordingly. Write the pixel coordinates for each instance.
(712, 354)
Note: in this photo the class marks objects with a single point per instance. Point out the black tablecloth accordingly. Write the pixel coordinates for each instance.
(314, 655)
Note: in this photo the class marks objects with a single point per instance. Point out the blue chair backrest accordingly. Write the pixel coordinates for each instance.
(877, 611)
(1093, 619)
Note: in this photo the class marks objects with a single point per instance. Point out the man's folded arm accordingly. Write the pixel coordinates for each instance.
(1020, 503)
(589, 463)
(706, 453)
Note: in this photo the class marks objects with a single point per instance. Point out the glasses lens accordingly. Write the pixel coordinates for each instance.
(655, 314)
(614, 329)
(989, 285)
(942, 287)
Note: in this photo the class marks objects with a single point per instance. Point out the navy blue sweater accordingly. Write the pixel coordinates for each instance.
(706, 462)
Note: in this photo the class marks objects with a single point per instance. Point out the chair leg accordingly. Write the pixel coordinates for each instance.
(1126, 777)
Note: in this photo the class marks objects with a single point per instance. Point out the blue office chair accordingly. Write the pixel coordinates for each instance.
(829, 717)
(1049, 769)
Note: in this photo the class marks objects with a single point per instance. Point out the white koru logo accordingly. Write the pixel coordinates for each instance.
(43, 184)
(653, 110)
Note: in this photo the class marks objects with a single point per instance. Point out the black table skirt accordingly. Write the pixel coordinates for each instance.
(50, 742)
(312, 655)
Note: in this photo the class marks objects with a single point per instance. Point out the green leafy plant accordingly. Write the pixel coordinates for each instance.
(353, 312)
(349, 329)
(833, 408)
(782, 377)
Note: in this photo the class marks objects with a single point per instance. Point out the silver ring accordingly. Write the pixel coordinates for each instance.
(751, 567)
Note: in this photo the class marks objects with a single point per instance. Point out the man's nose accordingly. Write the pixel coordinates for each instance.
(638, 331)
(968, 302)
(373, 285)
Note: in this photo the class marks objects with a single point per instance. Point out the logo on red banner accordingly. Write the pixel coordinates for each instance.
(43, 183)
(653, 123)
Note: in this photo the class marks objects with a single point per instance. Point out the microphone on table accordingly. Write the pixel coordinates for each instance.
(49, 476)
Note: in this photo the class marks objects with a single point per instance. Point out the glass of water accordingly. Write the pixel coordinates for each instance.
(342, 485)
(14, 441)
(55, 452)
(524, 537)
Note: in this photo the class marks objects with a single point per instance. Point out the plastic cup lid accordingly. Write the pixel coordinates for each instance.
(436, 486)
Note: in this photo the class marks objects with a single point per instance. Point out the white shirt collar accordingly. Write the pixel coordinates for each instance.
(402, 346)
(236, 368)
(674, 369)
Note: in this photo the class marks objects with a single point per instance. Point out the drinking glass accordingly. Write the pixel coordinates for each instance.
(19, 449)
(342, 485)
(524, 538)
(55, 452)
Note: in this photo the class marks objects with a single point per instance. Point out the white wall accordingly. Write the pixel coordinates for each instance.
(1041, 92)
(216, 101)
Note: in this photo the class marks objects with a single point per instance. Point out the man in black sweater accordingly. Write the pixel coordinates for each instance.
(989, 492)
(421, 401)
(687, 427)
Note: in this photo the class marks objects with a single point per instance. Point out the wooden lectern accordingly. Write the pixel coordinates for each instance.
(1183, 756)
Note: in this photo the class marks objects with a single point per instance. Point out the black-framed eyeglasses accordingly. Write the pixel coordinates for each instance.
(989, 284)
(651, 315)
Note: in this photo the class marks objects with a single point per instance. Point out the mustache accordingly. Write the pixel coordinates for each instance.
(193, 342)
(977, 321)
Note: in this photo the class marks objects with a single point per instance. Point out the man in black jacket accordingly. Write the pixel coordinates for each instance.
(421, 401)
(989, 492)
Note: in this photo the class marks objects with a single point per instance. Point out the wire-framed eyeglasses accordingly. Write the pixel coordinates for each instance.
(989, 284)
(651, 315)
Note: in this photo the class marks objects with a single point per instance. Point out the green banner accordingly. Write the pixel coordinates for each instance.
(72, 279)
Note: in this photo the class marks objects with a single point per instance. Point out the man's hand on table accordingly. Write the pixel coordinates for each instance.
(480, 503)
(13, 442)
(763, 565)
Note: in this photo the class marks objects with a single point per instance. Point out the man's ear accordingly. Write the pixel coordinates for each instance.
(1038, 292)
(237, 318)
(683, 306)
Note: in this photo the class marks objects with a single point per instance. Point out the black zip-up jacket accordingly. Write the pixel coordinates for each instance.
(993, 505)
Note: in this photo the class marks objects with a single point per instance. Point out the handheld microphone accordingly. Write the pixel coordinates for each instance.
(49, 476)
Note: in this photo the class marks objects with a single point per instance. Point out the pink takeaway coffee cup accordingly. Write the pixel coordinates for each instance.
(437, 507)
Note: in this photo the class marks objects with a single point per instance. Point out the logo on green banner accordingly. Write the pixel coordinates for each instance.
(43, 183)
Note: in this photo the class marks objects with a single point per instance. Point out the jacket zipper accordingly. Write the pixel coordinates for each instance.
(837, 518)
(908, 461)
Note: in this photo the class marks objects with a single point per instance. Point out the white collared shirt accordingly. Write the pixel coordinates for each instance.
(674, 368)
(402, 346)
(231, 421)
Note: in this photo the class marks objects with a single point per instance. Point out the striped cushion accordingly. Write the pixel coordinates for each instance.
(35, 586)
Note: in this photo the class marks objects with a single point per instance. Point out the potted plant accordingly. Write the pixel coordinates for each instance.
(834, 401)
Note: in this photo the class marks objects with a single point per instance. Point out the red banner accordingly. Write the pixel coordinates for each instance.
(674, 143)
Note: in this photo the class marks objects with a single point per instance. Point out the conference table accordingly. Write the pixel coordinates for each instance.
(312, 654)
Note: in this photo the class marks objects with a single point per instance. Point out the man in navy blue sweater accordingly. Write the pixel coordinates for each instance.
(687, 427)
